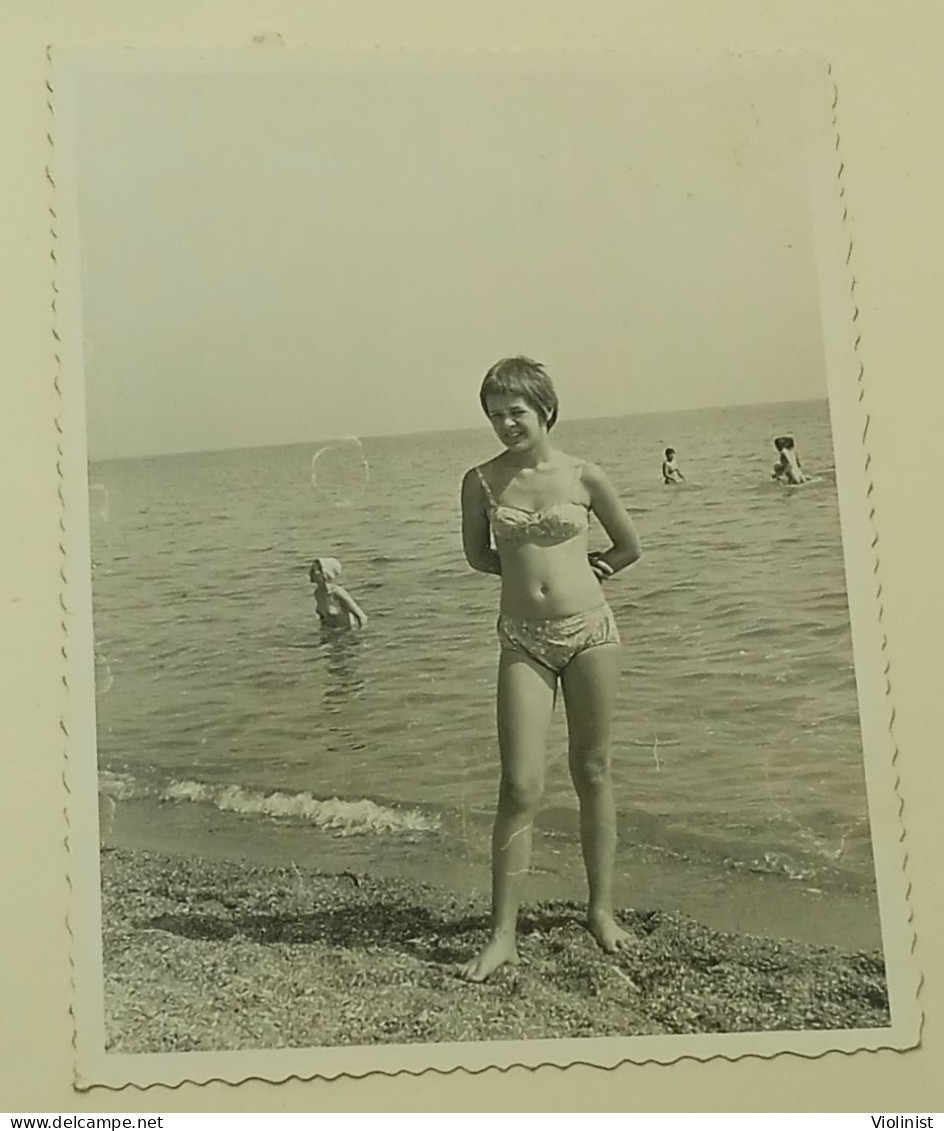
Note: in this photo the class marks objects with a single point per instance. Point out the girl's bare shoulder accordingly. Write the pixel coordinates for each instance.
(486, 466)
(589, 472)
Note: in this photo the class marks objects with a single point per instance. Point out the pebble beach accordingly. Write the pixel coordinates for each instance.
(211, 956)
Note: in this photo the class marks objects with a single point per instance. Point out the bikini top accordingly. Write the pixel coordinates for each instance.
(558, 523)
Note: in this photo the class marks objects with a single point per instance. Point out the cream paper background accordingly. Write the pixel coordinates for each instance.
(886, 77)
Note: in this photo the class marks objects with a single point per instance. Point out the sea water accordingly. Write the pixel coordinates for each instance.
(736, 740)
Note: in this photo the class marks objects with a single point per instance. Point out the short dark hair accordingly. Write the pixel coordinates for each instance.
(670, 451)
(522, 377)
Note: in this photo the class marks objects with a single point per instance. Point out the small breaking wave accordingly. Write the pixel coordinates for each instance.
(343, 818)
(119, 786)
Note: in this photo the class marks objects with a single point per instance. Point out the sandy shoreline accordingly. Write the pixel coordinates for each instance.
(212, 955)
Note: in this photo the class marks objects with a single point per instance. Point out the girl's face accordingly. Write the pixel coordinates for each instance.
(315, 573)
(516, 423)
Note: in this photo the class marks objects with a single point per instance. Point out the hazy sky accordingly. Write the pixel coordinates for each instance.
(274, 258)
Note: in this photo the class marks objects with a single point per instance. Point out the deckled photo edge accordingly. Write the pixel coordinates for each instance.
(83, 917)
(849, 413)
(78, 724)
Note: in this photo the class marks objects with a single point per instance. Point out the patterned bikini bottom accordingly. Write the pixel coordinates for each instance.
(554, 641)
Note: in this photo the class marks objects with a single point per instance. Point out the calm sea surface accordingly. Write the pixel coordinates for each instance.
(737, 734)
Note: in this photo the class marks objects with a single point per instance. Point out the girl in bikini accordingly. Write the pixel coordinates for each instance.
(525, 517)
(335, 606)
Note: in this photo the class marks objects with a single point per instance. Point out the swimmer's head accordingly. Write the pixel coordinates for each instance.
(670, 453)
(524, 378)
(788, 442)
(778, 443)
(324, 569)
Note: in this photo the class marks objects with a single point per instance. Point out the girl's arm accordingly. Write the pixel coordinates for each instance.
(605, 504)
(348, 601)
(476, 536)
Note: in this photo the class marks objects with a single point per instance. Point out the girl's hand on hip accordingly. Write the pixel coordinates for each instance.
(602, 569)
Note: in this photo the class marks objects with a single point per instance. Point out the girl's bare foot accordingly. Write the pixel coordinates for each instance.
(499, 951)
(609, 934)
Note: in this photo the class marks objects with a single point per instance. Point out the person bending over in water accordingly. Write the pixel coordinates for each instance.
(670, 469)
(780, 464)
(787, 469)
(336, 607)
(554, 627)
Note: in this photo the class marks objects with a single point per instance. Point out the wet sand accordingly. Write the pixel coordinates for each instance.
(216, 955)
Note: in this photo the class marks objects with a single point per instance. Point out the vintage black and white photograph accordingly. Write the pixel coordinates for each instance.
(473, 574)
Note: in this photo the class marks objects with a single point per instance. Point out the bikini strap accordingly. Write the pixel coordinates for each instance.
(485, 487)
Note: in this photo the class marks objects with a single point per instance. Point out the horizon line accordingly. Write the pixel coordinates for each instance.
(429, 432)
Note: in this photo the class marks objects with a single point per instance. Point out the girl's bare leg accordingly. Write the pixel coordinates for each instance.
(589, 683)
(525, 703)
